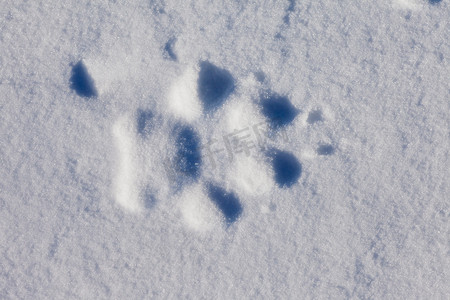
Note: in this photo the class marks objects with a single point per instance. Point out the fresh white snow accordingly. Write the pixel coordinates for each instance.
(224, 149)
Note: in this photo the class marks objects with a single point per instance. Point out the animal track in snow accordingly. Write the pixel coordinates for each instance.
(175, 166)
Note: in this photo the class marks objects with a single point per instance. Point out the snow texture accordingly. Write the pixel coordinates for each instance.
(224, 149)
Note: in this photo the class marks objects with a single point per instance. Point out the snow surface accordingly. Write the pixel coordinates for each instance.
(121, 176)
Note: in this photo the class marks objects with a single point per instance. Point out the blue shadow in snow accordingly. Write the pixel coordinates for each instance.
(144, 121)
(81, 82)
(227, 202)
(290, 9)
(149, 198)
(168, 50)
(278, 110)
(325, 150)
(188, 157)
(214, 85)
(286, 167)
(314, 117)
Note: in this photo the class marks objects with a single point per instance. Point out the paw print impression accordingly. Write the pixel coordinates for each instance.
(207, 148)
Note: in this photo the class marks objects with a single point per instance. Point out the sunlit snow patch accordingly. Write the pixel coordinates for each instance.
(126, 191)
(198, 212)
(183, 99)
(407, 4)
(250, 175)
